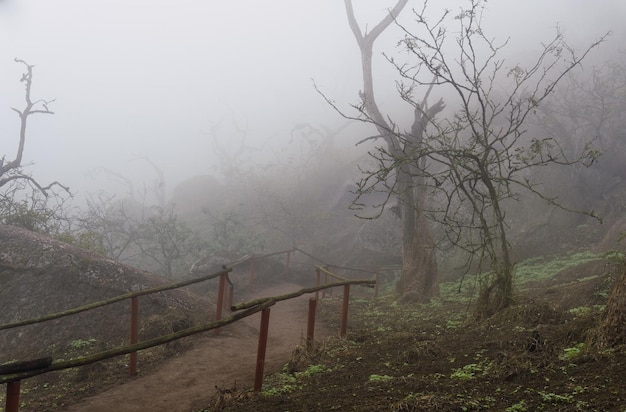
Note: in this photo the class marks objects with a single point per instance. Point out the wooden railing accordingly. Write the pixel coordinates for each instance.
(12, 373)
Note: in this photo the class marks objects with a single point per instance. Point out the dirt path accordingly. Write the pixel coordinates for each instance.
(187, 382)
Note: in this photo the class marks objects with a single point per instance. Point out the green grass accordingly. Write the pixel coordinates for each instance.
(536, 269)
(547, 267)
(284, 382)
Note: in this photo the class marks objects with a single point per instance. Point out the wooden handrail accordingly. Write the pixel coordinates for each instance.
(272, 254)
(115, 299)
(164, 288)
(329, 273)
(261, 301)
(245, 309)
(16, 371)
(124, 350)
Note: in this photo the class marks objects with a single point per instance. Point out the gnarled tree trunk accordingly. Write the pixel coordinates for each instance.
(419, 265)
(419, 271)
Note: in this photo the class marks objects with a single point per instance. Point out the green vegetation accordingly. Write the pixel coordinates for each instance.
(379, 378)
(535, 269)
(547, 266)
(572, 352)
(436, 357)
(286, 382)
(471, 370)
(81, 344)
(581, 311)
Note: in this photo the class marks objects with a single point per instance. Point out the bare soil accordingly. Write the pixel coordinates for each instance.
(538, 355)
(187, 382)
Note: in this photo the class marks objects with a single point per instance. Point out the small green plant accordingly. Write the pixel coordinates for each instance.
(581, 311)
(453, 324)
(285, 382)
(555, 398)
(471, 370)
(312, 370)
(573, 352)
(616, 257)
(80, 344)
(379, 378)
(517, 407)
(279, 384)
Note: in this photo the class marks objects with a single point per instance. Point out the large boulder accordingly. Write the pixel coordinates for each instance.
(40, 275)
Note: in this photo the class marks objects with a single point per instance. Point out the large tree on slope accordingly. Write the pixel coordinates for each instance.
(419, 271)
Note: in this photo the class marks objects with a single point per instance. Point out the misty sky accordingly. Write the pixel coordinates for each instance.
(150, 79)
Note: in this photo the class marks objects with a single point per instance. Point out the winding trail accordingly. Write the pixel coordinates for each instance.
(187, 382)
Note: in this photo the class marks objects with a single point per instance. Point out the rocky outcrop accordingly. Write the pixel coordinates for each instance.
(40, 275)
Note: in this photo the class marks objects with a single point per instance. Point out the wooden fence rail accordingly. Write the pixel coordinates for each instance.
(260, 301)
(124, 350)
(115, 299)
(12, 373)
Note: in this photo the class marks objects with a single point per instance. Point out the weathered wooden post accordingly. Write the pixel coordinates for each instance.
(344, 310)
(134, 334)
(220, 300)
(310, 327)
(325, 282)
(12, 403)
(230, 297)
(260, 355)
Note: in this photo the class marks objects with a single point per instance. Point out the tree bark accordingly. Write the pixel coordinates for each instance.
(419, 271)
(419, 264)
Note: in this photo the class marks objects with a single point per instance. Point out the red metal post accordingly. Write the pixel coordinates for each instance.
(230, 297)
(376, 285)
(310, 327)
(134, 334)
(260, 355)
(13, 397)
(344, 310)
(287, 265)
(220, 300)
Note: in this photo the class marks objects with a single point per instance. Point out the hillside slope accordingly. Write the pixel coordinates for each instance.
(40, 275)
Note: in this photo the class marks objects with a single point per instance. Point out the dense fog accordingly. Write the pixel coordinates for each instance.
(218, 110)
(154, 79)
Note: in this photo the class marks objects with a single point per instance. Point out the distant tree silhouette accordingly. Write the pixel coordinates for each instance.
(24, 201)
(12, 170)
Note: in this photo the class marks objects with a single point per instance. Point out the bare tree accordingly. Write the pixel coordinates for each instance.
(167, 242)
(419, 272)
(24, 206)
(23, 200)
(13, 170)
(472, 162)
(150, 237)
(592, 104)
(113, 224)
(477, 159)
